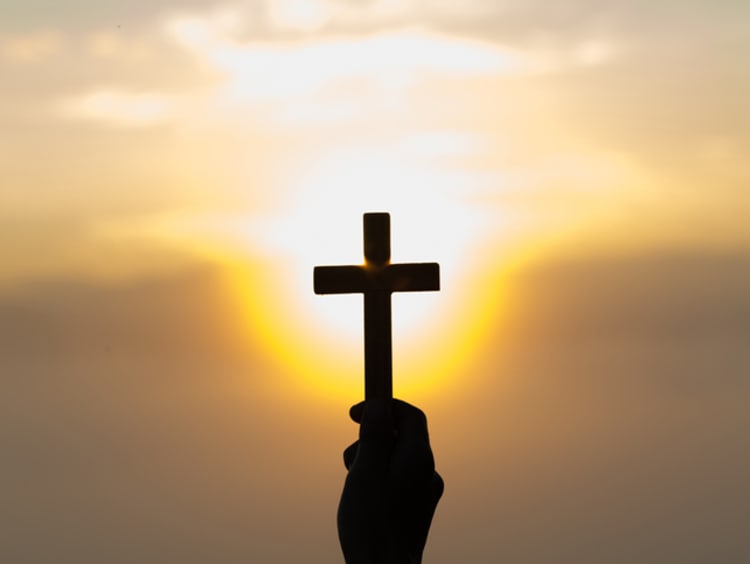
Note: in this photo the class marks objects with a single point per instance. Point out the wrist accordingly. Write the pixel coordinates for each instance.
(391, 558)
(382, 555)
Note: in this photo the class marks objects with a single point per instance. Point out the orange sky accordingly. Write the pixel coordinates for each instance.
(172, 171)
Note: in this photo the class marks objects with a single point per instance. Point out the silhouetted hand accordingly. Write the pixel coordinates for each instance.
(392, 489)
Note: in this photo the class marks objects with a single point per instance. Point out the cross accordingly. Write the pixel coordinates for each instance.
(377, 279)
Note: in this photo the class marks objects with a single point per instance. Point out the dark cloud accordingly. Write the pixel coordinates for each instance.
(136, 426)
(697, 295)
(609, 423)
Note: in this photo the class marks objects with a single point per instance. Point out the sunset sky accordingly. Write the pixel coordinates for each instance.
(171, 390)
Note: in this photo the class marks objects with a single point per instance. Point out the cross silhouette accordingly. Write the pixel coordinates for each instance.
(377, 279)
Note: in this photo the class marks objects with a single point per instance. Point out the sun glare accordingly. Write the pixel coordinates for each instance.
(322, 225)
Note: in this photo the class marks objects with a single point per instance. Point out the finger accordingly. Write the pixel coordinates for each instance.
(412, 457)
(355, 412)
(350, 453)
(411, 424)
(376, 433)
(438, 487)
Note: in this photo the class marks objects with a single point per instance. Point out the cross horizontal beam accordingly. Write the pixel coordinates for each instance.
(408, 277)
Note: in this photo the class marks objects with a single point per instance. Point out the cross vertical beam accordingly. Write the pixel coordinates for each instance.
(376, 237)
(378, 345)
(377, 279)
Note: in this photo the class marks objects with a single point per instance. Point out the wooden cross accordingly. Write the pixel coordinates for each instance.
(377, 279)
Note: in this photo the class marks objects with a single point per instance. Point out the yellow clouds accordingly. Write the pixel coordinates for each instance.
(119, 108)
(593, 52)
(315, 15)
(116, 45)
(299, 15)
(387, 62)
(30, 47)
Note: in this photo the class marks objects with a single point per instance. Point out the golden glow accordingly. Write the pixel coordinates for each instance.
(322, 225)
(320, 338)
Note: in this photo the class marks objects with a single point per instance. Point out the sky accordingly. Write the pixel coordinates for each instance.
(172, 389)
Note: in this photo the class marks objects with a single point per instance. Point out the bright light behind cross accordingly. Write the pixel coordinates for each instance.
(429, 220)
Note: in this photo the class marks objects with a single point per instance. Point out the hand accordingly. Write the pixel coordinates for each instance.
(392, 489)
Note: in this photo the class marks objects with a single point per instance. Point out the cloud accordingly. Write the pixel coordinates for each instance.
(133, 413)
(120, 108)
(299, 15)
(31, 47)
(275, 70)
(608, 411)
(333, 79)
